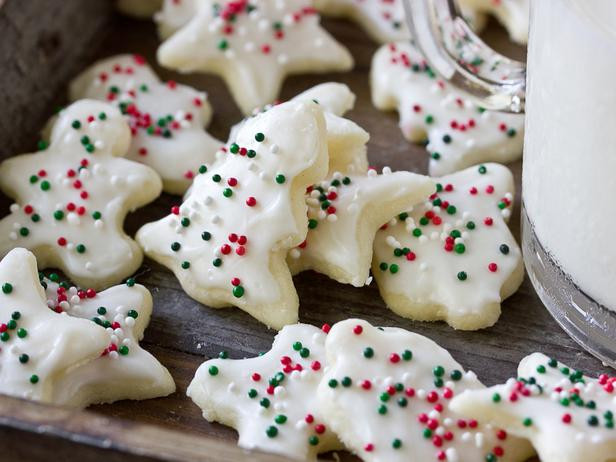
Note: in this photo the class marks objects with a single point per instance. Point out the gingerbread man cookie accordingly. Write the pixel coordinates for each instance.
(124, 370)
(71, 199)
(271, 399)
(253, 45)
(228, 241)
(344, 214)
(459, 132)
(453, 258)
(567, 416)
(386, 393)
(166, 119)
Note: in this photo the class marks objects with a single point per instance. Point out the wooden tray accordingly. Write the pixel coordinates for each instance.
(184, 333)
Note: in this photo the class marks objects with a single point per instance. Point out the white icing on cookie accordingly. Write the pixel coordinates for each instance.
(166, 119)
(124, 370)
(344, 214)
(228, 241)
(174, 15)
(513, 14)
(38, 347)
(346, 141)
(460, 133)
(271, 399)
(143, 9)
(453, 258)
(386, 394)
(567, 416)
(383, 20)
(71, 199)
(253, 45)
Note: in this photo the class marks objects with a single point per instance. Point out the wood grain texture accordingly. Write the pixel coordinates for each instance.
(184, 333)
(39, 51)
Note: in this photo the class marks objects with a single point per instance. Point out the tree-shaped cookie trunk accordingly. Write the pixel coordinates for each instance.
(228, 241)
(71, 199)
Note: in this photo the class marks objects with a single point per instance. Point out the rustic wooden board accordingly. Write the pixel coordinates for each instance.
(184, 333)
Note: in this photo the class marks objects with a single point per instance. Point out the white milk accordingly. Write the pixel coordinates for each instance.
(569, 179)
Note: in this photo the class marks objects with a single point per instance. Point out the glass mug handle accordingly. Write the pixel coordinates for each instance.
(451, 47)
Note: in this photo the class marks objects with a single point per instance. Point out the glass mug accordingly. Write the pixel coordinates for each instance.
(568, 90)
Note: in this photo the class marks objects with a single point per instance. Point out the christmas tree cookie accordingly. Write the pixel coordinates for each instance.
(252, 45)
(123, 370)
(459, 132)
(344, 214)
(72, 197)
(452, 258)
(386, 393)
(567, 416)
(38, 348)
(271, 399)
(228, 241)
(346, 141)
(166, 119)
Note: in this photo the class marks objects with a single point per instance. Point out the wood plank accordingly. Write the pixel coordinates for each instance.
(183, 333)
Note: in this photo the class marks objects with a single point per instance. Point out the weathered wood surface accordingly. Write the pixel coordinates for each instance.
(183, 333)
(42, 43)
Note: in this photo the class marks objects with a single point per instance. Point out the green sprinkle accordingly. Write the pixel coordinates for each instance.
(496, 397)
(185, 264)
(396, 443)
(80, 248)
(176, 246)
(280, 179)
(482, 169)
(527, 422)
(34, 379)
(462, 276)
(238, 291)
(7, 288)
(346, 382)
(24, 358)
(45, 185)
(368, 352)
(455, 375)
(264, 402)
(206, 236)
(132, 314)
(252, 393)
(407, 355)
(304, 352)
(382, 409)
(280, 419)
(333, 383)
(260, 137)
(123, 350)
(101, 310)
(271, 431)
(313, 440)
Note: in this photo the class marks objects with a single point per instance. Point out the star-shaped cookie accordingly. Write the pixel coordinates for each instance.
(166, 119)
(124, 370)
(513, 14)
(386, 394)
(452, 258)
(567, 416)
(253, 45)
(459, 132)
(346, 141)
(344, 214)
(38, 347)
(71, 199)
(271, 399)
(228, 241)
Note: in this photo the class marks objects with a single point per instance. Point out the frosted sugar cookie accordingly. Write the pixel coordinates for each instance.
(173, 15)
(567, 416)
(513, 14)
(228, 241)
(344, 215)
(459, 133)
(253, 45)
(72, 197)
(139, 8)
(346, 141)
(452, 258)
(38, 347)
(386, 393)
(167, 120)
(123, 370)
(271, 399)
